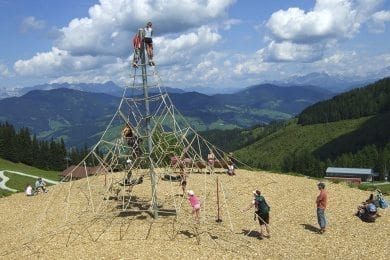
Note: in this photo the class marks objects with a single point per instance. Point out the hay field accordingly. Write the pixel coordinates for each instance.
(73, 220)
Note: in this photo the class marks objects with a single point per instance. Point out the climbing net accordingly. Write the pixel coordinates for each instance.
(142, 174)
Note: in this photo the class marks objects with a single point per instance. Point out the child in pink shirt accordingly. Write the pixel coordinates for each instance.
(195, 203)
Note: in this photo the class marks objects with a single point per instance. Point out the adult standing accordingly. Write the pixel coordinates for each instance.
(321, 206)
(149, 42)
(261, 213)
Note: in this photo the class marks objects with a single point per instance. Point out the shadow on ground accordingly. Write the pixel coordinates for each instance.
(310, 228)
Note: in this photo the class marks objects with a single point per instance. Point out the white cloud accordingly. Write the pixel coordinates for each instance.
(379, 20)
(4, 71)
(185, 46)
(229, 23)
(188, 40)
(107, 29)
(329, 19)
(31, 23)
(57, 62)
(287, 51)
(296, 35)
(86, 45)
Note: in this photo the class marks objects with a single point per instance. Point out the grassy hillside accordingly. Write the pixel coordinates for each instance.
(19, 182)
(19, 167)
(269, 152)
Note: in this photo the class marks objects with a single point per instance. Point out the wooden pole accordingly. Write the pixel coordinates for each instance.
(218, 208)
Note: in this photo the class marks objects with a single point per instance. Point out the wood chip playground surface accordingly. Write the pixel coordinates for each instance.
(79, 221)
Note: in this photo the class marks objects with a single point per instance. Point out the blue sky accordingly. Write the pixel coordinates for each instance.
(215, 43)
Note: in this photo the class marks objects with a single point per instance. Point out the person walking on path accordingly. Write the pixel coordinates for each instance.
(148, 34)
(321, 206)
(261, 213)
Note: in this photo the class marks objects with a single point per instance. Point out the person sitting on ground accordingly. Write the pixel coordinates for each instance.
(230, 170)
(195, 203)
(29, 190)
(367, 212)
(40, 185)
(261, 213)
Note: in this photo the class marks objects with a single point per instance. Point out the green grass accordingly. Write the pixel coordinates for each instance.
(4, 193)
(385, 188)
(19, 167)
(18, 182)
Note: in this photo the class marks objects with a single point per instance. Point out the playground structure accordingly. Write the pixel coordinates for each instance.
(162, 143)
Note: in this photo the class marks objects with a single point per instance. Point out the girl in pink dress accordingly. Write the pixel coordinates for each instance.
(195, 203)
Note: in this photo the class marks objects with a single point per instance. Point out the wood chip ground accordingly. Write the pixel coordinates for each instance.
(78, 221)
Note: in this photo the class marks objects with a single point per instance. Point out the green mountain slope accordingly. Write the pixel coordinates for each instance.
(78, 117)
(366, 101)
(308, 147)
(270, 151)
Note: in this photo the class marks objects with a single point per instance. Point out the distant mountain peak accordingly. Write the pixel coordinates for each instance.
(335, 83)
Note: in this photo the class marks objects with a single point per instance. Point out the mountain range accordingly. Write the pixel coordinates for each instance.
(334, 83)
(78, 117)
(108, 87)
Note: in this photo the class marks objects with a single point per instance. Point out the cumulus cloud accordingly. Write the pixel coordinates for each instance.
(297, 35)
(103, 39)
(57, 62)
(379, 20)
(106, 30)
(287, 51)
(329, 19)
(31, 23)
(185, 46)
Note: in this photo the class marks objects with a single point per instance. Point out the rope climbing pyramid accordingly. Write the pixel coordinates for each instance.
(145, 161)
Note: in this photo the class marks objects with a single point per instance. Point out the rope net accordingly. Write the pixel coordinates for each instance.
(137, 168)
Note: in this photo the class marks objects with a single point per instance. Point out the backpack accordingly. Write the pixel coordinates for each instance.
(261, 205)
(382, 202)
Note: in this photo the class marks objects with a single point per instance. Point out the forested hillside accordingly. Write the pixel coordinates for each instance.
(341, 136)
(367, 101)
(20, 146)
